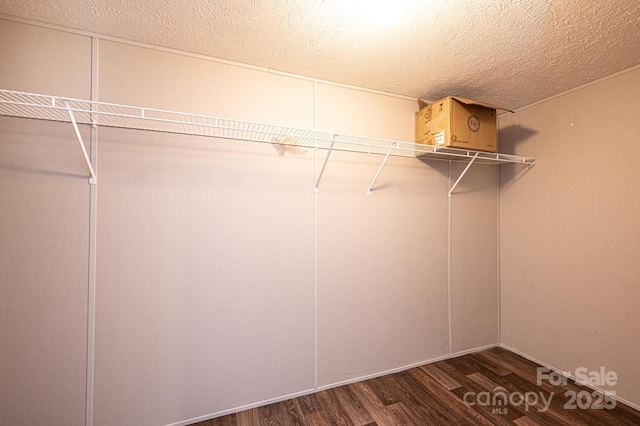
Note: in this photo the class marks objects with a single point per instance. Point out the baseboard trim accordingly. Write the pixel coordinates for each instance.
(403, 368)
(241, 408)
(331, 386)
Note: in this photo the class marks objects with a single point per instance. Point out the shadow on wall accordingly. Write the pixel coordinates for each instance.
(288, 147)
(444, 171)
(510, 137)
(513, 135)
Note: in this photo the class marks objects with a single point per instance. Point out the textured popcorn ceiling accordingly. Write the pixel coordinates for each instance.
(507, 52)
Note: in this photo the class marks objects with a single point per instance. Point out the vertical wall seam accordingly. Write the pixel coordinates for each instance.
(449, 263)
(315, 247)
(91, 285)
(498, 266)
(315, 280)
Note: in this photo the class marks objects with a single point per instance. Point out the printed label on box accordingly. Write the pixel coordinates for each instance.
(439, 138)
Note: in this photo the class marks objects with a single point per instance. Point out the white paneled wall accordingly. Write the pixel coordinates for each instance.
(570, 232)
(222, 280)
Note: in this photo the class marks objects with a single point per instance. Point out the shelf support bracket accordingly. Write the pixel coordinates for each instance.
(93, 179)
(386, 157)
(464, 172)
(326, 160)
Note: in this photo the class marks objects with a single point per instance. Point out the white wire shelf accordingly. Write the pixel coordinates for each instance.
(56, 108)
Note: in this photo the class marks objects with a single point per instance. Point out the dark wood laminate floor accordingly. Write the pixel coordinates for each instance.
(435, 394)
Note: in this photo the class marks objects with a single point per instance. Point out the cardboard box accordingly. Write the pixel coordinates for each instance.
(458, 123)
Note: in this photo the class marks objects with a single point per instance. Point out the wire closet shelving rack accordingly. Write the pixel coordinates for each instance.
(78, 111)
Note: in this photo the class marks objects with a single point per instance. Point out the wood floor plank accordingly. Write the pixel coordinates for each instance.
(384, 393)
(483, 381)
(401, 415)
(248, 418)
(229, 420)
(514, 384)
(319, 418)
(331, 405)
(440, 376)
(494, 356)
(526, 421)
(295, 416)
(625, 414)
(396, 390)
(497, 368)
(309, 404)
(449, 400)
(517, 391)
(370, 401)
(438, 394)
(532, 404)
(353, 406)
(468, 365)
(272, 410)
(472, 393)
(431, 408)
(518, 365)
(555, 412)
(496, 415)
(594, 414)
(282, 413)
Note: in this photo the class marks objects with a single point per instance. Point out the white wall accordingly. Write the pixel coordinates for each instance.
(570, 232)
(222, 280)
(44, 211)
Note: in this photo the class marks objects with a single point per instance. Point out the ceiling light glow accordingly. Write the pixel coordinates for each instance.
(384, 13)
